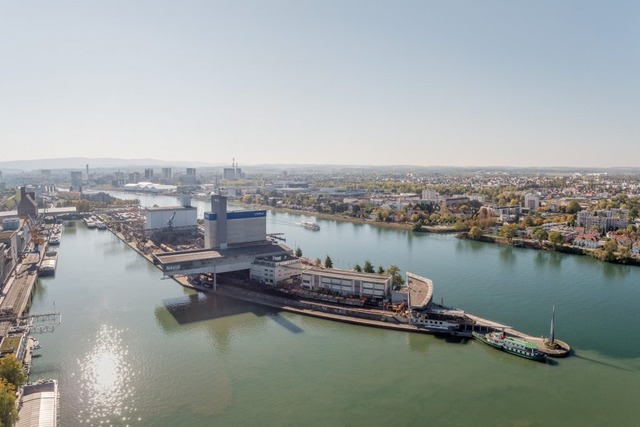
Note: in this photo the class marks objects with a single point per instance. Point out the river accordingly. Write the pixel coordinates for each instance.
(134, 349)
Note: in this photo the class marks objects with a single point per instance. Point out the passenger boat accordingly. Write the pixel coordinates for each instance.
(518, 346)
(434, 324)
(310, 225)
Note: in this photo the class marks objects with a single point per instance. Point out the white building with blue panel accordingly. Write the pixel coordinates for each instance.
(223, 229)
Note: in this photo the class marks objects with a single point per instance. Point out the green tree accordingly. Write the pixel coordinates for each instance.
(624, 254)
(555, 237)
(608, 250)
(573, 207)
(540, 234)
(8, 410)
(368, 267)
(328, 263)
(12, 371)
(509, 231)
(357, 268)
(610, 246)
(475, 233)
(299, 252)
(380, 269)
(396, 276)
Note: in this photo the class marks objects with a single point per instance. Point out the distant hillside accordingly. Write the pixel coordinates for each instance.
(81, 162)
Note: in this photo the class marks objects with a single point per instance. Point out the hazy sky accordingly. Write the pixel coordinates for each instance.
(519, 83)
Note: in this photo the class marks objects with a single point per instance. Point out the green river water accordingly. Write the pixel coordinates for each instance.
(137, 350)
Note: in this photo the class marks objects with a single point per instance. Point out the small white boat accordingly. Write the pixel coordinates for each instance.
(310, 225)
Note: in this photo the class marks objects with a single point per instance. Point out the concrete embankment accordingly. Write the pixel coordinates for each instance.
(18, 290)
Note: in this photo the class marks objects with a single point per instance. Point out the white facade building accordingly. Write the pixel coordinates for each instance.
(613, 219)
(275, 269)
(430, 195)
(222, 228)
(531, 201)
(174, 216)
(347, 282)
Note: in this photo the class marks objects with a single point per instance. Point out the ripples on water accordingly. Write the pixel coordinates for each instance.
(107, 381)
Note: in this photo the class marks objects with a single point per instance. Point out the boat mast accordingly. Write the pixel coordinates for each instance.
(409, 301)
(552, 332)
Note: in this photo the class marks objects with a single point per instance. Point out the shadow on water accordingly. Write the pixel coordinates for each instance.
(464, 245)
(548, 259)
(599, 362)
(285, 323)
(203, 307)
(452, 340)
(200, 307)
(552, 362)
(615, 271)
(507, 255)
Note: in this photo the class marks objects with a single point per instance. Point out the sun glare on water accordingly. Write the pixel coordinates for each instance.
(107, 381)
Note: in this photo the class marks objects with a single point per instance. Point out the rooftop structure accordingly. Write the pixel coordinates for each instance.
(170, 216)
(216, 261)
(420, 291)
(39, 405)
(347, 282)
(275, 269)
(223, 229)
(149, 187)
(28, 207)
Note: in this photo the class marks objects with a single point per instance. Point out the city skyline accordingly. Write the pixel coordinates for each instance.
(544, 84)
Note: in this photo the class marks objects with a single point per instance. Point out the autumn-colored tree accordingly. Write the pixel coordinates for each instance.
(12, 371)
(475, 233)
(8, 410)
(555, 237)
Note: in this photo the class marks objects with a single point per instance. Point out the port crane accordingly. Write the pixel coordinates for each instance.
(170, 222)
(36, 236)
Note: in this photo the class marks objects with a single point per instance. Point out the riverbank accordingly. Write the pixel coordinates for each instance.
(344, 218)
(565, 249)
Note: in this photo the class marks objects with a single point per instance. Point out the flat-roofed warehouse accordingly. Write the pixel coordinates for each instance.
(216, 261)
(347, 282)
(233, 240)
(184, 215)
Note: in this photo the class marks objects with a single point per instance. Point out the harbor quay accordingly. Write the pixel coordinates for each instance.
(239, 261)
(28, 256)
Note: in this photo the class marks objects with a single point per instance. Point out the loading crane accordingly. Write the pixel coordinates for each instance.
(170, 222)
(36, 236)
